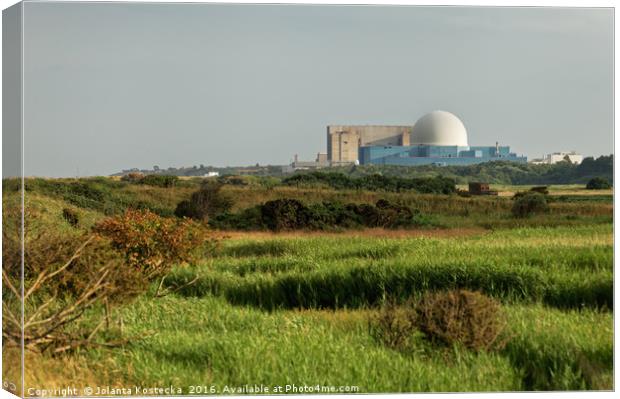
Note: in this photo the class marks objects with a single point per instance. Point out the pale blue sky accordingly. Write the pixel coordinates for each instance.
(115, 86)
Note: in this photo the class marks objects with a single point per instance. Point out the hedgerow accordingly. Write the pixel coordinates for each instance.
(375, 182)
(291, 214)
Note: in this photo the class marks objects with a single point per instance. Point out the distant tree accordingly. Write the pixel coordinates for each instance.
(598, 183)
(156, 168)
(207, 202)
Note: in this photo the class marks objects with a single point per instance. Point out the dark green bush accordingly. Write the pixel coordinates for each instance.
(234, 180)
(374, 182)
(160, 180)
(291, 214)
(209, 201)
(285, 214)
(528, 204)
(71, 216)
(598, 183)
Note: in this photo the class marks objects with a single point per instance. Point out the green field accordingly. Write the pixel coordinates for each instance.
(296, 309)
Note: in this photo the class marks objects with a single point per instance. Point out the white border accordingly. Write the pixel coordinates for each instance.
(540, 3)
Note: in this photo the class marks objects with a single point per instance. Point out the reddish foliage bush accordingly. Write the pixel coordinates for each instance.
(64, 276)
(153, 243)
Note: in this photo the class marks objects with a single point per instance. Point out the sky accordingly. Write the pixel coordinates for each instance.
(117, 86)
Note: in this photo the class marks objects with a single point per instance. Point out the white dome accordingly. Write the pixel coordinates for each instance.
(439, 128)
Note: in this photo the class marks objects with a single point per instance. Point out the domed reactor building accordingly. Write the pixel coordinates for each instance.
(437, 138)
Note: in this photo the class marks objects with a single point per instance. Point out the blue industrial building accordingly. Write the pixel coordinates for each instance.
(438, 138)
(441, 155)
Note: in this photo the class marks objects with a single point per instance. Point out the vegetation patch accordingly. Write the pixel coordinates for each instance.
(152, 244)
(598, 183)
(291, 214)
(71, 216)
(529, 204)
(461, 317)
(374, 182)
(207, 202)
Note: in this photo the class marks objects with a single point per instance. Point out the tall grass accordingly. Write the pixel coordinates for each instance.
(214, 343)
(558, 267)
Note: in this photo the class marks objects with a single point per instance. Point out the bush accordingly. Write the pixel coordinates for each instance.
(285, 214)
(152, 244)
(234, 180)
(598, 183)
(207, 202)
(133, 177)
(461, 317)
(64, 277)
(291, 214)
(375, 182)
(160, 180)
(71, 216)
(528, 204)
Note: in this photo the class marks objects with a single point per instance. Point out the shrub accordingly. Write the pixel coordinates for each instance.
(598, 183)
(160, 180)
(64, 277)
(528, 204)
(394, 326)
(461, 317)
(291, 214)
(392, 215)
(152, 244)
(436, 185)
(133, 177)
(207, 202)
(71, 216)
(234, 180)
(285, 214)
(247, 219)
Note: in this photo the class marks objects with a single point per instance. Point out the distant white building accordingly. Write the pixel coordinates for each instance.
(556, 157)
(211, 174)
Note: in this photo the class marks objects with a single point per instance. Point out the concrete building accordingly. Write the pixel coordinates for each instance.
(438, 138)
(556, 157)
(344, 141)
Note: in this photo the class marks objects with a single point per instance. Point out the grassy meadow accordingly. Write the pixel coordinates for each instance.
(296, 308)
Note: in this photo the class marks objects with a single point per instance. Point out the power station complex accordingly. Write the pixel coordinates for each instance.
(437, 138)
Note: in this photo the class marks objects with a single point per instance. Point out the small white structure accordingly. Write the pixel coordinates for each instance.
(211, 174)
(556, 157)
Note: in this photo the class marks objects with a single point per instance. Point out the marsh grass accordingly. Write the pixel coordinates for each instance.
(295, 308)
(559, 267)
